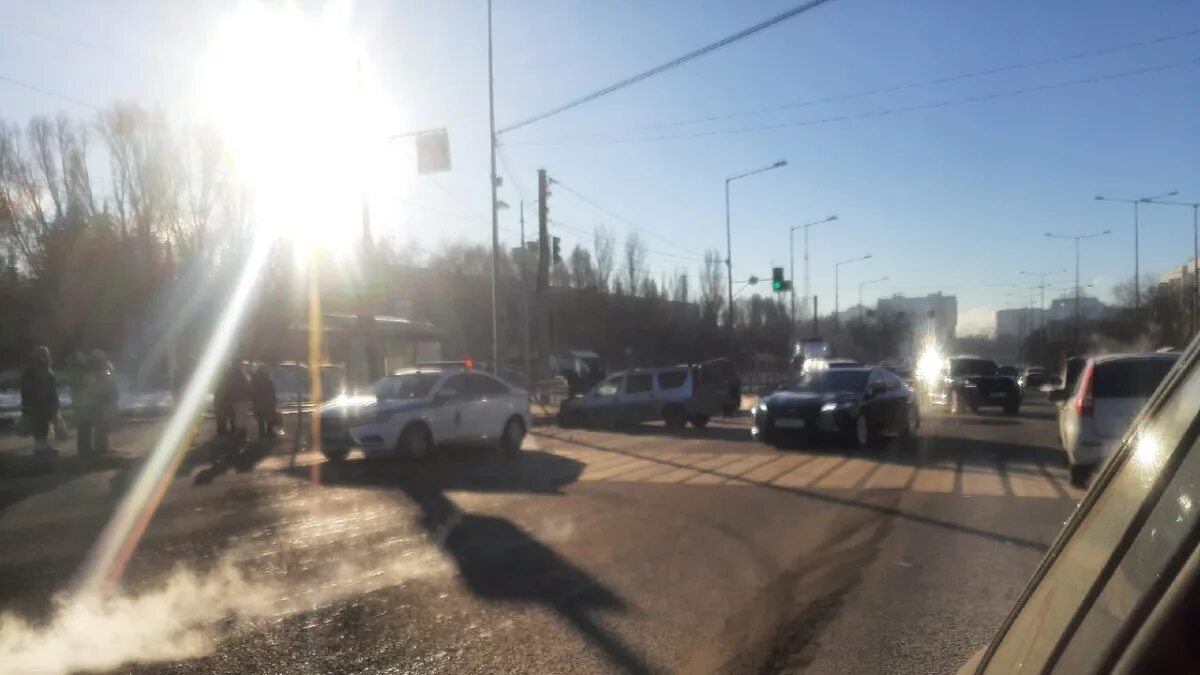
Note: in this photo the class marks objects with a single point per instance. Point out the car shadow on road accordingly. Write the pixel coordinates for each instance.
(24, 476)
(496, 559)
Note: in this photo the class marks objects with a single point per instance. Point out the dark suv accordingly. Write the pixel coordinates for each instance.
(968, 382)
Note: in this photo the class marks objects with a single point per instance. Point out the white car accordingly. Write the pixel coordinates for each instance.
(1110, 392)
(418, 409)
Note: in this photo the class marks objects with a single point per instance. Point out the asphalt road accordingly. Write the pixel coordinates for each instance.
(595, 551)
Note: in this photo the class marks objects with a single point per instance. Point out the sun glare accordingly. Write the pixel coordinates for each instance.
(289, 92)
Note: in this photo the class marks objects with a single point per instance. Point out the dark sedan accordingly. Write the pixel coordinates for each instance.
(852, 405)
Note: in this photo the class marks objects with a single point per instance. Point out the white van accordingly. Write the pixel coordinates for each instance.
(677, 395)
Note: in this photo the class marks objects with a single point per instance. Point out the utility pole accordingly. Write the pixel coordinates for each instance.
(527, 357)
(543, 272)
(816, 328)
(1077, 238)
(495, 204)
(729, 242)
(1137, 295)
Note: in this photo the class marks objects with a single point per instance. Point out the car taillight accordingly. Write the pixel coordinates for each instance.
(1085, 406)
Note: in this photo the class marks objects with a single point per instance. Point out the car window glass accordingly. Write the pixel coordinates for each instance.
(459, 385)
(609, 387)
(1129, 378)
(1048, 610)
(891, 380)
(875, 378)
(1156, 546)
(639, 383)
(671, 379)
(482, 385)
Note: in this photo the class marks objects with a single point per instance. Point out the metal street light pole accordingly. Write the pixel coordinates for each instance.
(495, 205)
(792, 261)
(1042, 285)
(1137, 295)
(1077, 238)
(837, 269)
(1195, 252)
(729, 241)
(867, 283)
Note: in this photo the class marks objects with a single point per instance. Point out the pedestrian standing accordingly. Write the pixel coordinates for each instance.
(39, 399)
(82, 383)
(106, 399)
(262, 394)
(233, 413)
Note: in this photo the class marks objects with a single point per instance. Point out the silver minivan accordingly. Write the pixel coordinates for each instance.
(677, 395)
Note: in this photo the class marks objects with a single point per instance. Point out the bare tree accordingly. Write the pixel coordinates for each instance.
(604, 245)
(72, 140)
(681, 287)
(583, 275)
(635, 261)
(712, 279)
(41, 143)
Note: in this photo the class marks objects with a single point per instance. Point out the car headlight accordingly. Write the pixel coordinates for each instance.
(834, 406)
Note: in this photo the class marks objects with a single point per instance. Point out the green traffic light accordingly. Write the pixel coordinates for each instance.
(777, 285)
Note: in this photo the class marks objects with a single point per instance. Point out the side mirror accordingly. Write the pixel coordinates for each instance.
(1058, 395)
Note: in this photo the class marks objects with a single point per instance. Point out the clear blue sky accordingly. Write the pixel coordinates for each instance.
(951, 198)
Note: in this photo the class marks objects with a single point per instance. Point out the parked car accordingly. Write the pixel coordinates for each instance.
(1010, 371)
(1110, 392)
(417, 410)
(853, 405)
(1033, 379)
(970, 382)
(677, 395)
(1117, 591)
(907, 375)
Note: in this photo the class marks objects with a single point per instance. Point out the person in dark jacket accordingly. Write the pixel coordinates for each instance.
(262, 397)
(39, 399)
(233, 391)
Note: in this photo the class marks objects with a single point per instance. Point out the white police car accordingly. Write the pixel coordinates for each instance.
(418, 409)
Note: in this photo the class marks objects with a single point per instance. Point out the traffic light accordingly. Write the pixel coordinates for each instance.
(557, 249)
(777, 279)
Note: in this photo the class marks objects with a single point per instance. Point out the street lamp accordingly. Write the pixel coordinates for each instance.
(729, 240)
(837, 268)
(1042, 285)
(867, 283)
(1137, 296)
(792, 260)
(1195, 251)
(1078, 238)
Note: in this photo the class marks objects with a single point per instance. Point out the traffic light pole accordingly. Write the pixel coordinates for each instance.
(495, 205)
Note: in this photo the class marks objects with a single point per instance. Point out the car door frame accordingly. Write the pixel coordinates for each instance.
(449, 414)
(897, 400)
(876, 407)
(491, 408)
(603, 410)
(639, 406)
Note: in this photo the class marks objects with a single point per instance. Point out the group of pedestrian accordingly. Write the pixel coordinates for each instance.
(241, 394)
(93, 401)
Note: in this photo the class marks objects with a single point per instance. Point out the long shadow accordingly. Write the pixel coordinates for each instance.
(23, 476)
(709, 433)
(497, 560)
(929, 453)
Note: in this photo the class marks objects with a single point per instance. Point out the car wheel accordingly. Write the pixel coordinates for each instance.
(699, 421)
(956, 403)
(912, 422)
(859, 436)
(675, 417)
(512, 435)
(415, 442)
(335, 454)
(1080, 475)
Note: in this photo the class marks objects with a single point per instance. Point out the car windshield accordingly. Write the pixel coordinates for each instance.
(838, 379)
(972, 367)
(413, 385)
(284, 386)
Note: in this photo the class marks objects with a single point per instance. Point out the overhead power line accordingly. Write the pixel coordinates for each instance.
(47, 92)
(1103, 51)
(667, 66)
(630, 223)
(583, 233)
(887, 111)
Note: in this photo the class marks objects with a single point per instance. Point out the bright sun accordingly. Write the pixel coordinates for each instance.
(288, 91)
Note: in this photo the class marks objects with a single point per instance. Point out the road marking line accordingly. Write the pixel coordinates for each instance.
(710, 475)
(847, 475)
(1025, 483)
(683, 472)
(661, 464)
(934, 479)
(775, 469)
(891, 477)
(733, 471)
(1058, 487)
(808, 473)
(982, 480)
(611, 468)
(613, 459)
